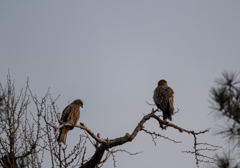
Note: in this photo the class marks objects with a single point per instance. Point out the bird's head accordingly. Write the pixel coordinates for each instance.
(78, 102)
(163, 83)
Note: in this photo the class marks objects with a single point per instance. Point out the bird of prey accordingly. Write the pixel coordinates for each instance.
(163, 98)
(70, 115)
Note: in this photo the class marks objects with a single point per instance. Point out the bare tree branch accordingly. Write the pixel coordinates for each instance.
(110, 143)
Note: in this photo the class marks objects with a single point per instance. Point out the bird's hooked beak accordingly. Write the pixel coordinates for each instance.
(81, 106)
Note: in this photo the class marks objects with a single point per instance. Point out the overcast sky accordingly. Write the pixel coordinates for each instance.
(111, 54)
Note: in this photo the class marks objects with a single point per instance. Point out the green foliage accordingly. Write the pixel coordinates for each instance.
(226, 96)
(226, 161)
(226, 104)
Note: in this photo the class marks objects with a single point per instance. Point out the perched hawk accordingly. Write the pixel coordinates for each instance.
(163, 98)
(70, 115)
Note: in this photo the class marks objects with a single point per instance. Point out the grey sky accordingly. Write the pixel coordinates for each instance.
(111, 54)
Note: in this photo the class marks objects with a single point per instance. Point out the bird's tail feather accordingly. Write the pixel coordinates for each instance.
(167, 115)
(63, 135)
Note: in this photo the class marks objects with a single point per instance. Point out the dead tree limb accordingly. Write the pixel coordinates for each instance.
(106, 144)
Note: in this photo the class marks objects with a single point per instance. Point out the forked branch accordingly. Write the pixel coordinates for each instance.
(110, 143)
